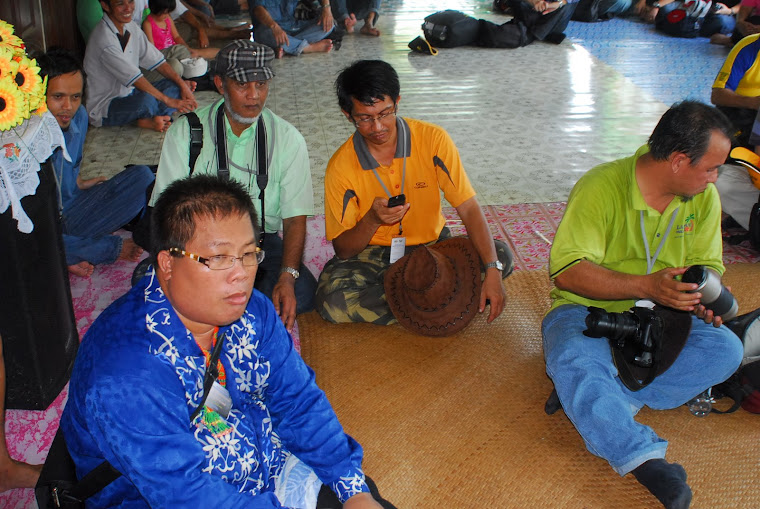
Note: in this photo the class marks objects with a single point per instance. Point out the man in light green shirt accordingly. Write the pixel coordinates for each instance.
(230, 126)
(631, 229)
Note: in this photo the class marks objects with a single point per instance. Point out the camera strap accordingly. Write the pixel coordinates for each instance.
(403, 171)
(652, 259)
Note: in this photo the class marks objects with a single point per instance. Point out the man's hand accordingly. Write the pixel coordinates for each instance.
(362, 501)
(723, 9)
(284, 299)
(662, 288)
(326, 19)
(182, 105)
(493, 290)
(550, 7)
(280, 36)
(88, 183)
(384, 215)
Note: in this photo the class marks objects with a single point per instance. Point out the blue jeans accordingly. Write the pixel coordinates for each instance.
(361, 8)
(602, 409)
(99, 211)
(712, 24)
(301, 33)
(614, 7)
(138, 104)
(269, 272)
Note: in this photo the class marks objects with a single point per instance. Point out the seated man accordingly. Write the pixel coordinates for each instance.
(346, 13)
(362, 220)
(736, 90)
(644, 220)
(118, 93)
(275, 25)
(92, 209)
(263, 434)
(243, 76)
(13, 474)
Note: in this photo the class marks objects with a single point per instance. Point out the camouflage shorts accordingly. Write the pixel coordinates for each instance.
(352, 290)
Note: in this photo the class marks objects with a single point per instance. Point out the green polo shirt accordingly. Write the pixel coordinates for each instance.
(602, 224)
(289, 190)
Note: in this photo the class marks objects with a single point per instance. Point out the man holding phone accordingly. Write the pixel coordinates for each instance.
(382, 199)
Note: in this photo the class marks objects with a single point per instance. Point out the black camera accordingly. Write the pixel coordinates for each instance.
(638, 329)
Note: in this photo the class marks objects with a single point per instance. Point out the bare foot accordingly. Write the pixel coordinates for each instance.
(370, 30)
(15, 474)
(723, 40)
(349, 23)
(159, 123)
(323, 46)
(130, 251)
(279, 52)
(82, 269)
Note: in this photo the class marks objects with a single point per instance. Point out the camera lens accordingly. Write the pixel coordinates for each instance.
(616, 326)
(715, 296)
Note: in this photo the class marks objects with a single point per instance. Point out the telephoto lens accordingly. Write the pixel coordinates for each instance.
(715, 296)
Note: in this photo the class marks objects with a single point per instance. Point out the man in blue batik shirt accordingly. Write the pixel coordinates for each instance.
(265, 437)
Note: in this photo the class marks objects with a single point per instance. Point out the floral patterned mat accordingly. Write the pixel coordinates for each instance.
(528, 228)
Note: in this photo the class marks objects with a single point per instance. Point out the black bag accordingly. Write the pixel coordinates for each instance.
(685, 20)
(449, 29)
(754, 226)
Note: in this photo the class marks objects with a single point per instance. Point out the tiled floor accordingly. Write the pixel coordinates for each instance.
(527, 121)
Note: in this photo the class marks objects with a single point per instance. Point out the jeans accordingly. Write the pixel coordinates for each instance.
(361, 8)
(610, 8)
(99, 211)
(602, 409)
(138, 104)
(712, 24)
(269, 272)
(301, 33)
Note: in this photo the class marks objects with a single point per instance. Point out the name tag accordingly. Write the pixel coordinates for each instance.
(398, 246)
(219, 400)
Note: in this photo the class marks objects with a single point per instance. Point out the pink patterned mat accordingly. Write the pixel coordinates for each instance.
(528, 228)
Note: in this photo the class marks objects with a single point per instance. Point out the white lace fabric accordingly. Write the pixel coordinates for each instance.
(22, 150)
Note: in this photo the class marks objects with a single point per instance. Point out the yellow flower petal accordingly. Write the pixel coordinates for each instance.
(13, 106)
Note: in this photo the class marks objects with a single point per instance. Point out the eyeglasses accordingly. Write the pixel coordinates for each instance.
(366, 121)
(223, 262)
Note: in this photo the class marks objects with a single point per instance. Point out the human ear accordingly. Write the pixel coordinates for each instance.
(165, 263)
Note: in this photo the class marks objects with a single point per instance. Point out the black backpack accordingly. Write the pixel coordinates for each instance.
(449, 29)
(744, 385)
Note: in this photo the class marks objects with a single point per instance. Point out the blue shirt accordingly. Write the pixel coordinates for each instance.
(67, 172)
(138, 377)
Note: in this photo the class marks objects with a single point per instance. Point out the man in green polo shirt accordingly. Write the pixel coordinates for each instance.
(231, 128)
(631, 228)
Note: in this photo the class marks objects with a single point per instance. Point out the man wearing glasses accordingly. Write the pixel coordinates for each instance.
(262, 435)
(382, 198)
(238, 133)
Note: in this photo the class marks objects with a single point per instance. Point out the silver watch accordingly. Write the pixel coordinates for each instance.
(495, 265)
(290, 270)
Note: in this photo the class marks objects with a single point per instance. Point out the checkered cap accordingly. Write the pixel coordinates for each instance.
(245, 61)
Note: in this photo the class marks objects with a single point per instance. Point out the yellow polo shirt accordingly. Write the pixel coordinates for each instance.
(432, 165)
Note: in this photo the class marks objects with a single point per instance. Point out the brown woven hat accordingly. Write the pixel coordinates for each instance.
(435, 290)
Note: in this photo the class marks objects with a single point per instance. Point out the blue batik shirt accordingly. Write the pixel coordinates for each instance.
(137, 379)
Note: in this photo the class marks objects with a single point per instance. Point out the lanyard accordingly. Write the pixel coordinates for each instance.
(403, 171)
(652, 259)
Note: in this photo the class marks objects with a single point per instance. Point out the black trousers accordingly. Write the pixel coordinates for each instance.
(329, 500)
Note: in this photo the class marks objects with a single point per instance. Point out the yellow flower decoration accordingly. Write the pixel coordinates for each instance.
(8, 39)
(29, 82)
(13, 105)
(6, 56)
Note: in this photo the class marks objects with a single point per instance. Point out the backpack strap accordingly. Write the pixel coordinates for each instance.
(196, 138)
(262, 177)
(221, 146)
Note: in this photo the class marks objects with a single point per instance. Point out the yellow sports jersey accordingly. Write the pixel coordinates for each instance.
(741, 70)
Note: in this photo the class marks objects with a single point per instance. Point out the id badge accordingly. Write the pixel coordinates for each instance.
(219, 400)
(398, 246)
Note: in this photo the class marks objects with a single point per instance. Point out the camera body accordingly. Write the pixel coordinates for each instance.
(638, 331)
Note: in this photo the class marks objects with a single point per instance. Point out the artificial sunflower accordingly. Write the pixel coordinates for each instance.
(8, 39)
(13, 105)
(6, 56)
(28, 80)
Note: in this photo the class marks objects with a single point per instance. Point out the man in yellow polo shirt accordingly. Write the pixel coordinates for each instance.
(382, 198)
(631, 228)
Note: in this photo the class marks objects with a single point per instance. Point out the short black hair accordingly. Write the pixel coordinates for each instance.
(687, 127)
(367, 81)
(179, 206)
(159, 6)
(58, 61)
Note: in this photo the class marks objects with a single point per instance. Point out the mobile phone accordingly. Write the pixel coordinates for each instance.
(395, 201)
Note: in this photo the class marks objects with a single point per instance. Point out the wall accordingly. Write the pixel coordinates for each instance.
(43, 24)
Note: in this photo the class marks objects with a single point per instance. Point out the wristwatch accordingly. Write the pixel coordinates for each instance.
(290, 270)
(495, 265)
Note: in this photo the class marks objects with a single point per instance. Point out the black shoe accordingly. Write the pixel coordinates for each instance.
(666, 481)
